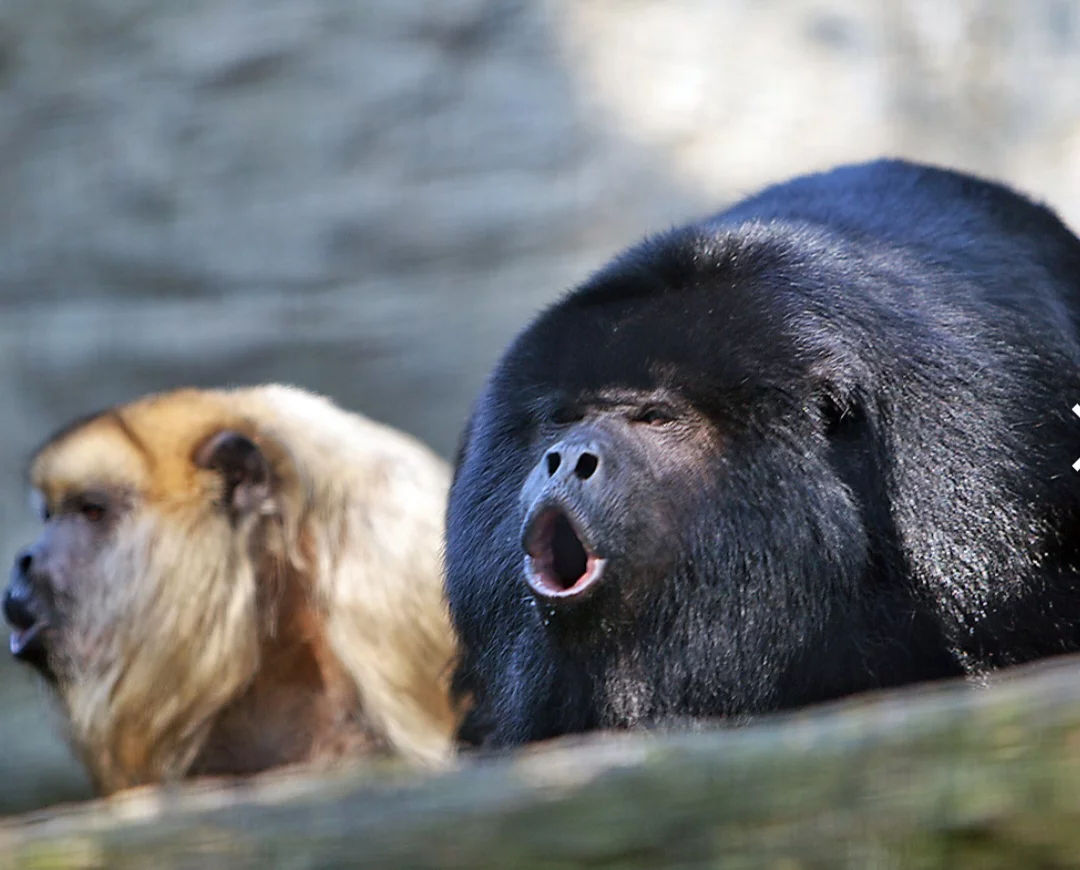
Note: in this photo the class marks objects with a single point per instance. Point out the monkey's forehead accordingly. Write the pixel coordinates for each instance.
(99, 451)
(146, 445)
(125, 444)
(149, 445)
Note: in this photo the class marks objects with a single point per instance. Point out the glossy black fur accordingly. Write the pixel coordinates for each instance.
(886, 355)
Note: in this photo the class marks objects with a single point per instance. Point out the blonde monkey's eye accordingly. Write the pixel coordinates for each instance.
(93, 511)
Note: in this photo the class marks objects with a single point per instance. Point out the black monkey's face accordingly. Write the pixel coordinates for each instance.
(600, 505)
(602, 454)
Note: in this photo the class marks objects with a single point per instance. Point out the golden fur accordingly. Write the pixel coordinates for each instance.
(312, 629)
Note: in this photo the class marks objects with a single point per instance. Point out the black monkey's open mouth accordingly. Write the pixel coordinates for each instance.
(558, 563)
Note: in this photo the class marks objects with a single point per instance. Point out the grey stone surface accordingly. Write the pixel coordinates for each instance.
(369, 198)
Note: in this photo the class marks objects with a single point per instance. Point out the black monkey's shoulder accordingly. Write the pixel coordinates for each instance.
(902, 202)
(949, 218)
(878, 234)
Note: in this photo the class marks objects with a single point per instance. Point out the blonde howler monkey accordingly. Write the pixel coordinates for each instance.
(233, 580)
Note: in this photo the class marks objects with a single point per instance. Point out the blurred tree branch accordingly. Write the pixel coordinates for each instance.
(945, 776)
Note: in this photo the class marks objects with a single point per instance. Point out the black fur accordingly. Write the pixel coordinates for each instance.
(875, 486)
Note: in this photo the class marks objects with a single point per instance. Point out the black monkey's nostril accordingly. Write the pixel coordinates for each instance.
(553, 461)
(586, 465)
(23, 562)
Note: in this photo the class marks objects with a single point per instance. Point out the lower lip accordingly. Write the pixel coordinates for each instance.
(20, 641)
(594, 570)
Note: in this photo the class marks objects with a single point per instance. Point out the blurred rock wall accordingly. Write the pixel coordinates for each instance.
(370, 198)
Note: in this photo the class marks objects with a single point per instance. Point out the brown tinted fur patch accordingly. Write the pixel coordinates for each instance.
(312, 630)
(302, 704)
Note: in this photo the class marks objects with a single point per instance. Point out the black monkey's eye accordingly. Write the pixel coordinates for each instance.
(566, 414)
(654, 415)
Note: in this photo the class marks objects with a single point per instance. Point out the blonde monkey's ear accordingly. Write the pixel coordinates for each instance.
(244, 471)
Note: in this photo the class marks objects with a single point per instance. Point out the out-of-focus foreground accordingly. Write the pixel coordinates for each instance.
(369, 199)
(944, 778)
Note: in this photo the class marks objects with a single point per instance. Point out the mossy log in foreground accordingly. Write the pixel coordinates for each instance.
(950, 776)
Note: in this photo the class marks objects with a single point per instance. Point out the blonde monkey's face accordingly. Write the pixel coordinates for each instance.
(48, 576)
(101, 533)
(140, 600)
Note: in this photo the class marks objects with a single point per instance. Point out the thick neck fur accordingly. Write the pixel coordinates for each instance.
(302, 705)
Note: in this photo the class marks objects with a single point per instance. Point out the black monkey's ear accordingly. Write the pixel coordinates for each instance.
(243, 467)
(833, 412)
(839, 411)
